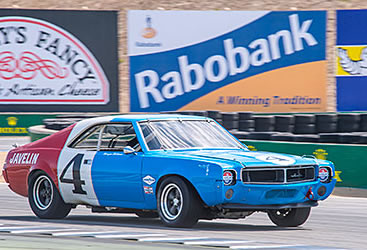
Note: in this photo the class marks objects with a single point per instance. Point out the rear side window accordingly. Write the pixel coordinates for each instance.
(89, 139)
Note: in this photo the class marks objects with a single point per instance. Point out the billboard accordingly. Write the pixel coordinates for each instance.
(264, 61)
(58, 60)
(351, 60)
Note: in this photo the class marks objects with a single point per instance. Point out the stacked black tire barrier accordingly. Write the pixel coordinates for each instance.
(264, 123)
(230, 120)
(304, 124)
(348, 122)
(326, 123)
(346, 128)
(283, 123)
(246, 122)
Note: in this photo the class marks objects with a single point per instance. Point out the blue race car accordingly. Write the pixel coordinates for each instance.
(180, 168)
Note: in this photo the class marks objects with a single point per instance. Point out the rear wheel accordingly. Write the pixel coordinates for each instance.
(178, 204)
(290, 217)
(44, 198)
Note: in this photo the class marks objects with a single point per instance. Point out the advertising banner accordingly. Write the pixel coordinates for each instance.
(58, 60)
(351, 63)
(264, 61)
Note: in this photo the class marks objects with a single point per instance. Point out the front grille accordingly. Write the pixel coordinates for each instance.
(278, 175)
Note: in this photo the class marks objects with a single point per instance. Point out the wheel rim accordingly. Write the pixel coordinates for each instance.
(282, 213)
(171, 201)
(43, 192)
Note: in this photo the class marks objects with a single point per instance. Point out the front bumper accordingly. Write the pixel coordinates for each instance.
(276, 195)
(237, 206)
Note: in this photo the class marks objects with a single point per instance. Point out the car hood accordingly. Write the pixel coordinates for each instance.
(247, 158)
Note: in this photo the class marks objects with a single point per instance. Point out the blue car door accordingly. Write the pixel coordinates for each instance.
(116, 176)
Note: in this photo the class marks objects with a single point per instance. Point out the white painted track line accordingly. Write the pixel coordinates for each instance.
(128, 236)
(172, 239)
(217, 243)
(13, 228)
(44, 230)
(84, 233)
(267, 246)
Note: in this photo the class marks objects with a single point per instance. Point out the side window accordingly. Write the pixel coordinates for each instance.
(89, 139)
(117, 136)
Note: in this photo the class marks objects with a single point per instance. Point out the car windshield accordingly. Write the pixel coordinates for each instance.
(185, 134)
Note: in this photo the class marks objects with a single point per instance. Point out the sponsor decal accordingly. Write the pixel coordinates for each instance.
(227, 177)
(323, 174)
(88, 161)
(148, 190)
(43, 63)
(276, 159)
(24, 158)
(149, 180)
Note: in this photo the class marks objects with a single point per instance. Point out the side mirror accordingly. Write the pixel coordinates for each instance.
(129, 150)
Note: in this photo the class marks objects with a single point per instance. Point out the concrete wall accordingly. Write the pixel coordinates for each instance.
(123, 5)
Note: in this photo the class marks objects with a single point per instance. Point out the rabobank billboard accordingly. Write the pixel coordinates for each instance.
(351, 60)
(264, 61)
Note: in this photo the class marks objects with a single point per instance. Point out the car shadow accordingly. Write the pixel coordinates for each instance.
(135, 222)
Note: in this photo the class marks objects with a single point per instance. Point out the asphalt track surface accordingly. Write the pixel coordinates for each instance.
(337, 223)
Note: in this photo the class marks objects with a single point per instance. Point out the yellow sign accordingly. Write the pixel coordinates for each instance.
(13, 130)
(337, 176)
(251, 148)
(320, 154)
(12, 121)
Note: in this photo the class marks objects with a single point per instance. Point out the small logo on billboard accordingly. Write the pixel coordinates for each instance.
(43, 63)
(352, 61)
(12, 121)
(149, 32)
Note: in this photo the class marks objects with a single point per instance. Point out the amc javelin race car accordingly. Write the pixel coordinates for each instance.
(180, 168)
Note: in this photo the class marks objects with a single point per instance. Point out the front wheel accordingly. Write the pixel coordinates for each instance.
(289, 217)
(44, 198)
(178, 204)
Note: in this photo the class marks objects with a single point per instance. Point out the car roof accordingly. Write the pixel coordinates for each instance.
(150, 117)
(138, 118)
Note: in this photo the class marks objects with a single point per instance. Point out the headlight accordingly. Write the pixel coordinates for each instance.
(324, 174)
(229, 177)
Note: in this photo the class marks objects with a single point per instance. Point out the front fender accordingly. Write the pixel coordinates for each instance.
(205, 177)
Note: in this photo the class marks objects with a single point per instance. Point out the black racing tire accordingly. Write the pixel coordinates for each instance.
(44, 198)
(147, 214)
(326, 118)
(304, 119)
(246, 125)
(304, 128)
(245, 116)
(214, 114)
(291, 217)
(326, 127)
(228, 124)
(178, 204)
